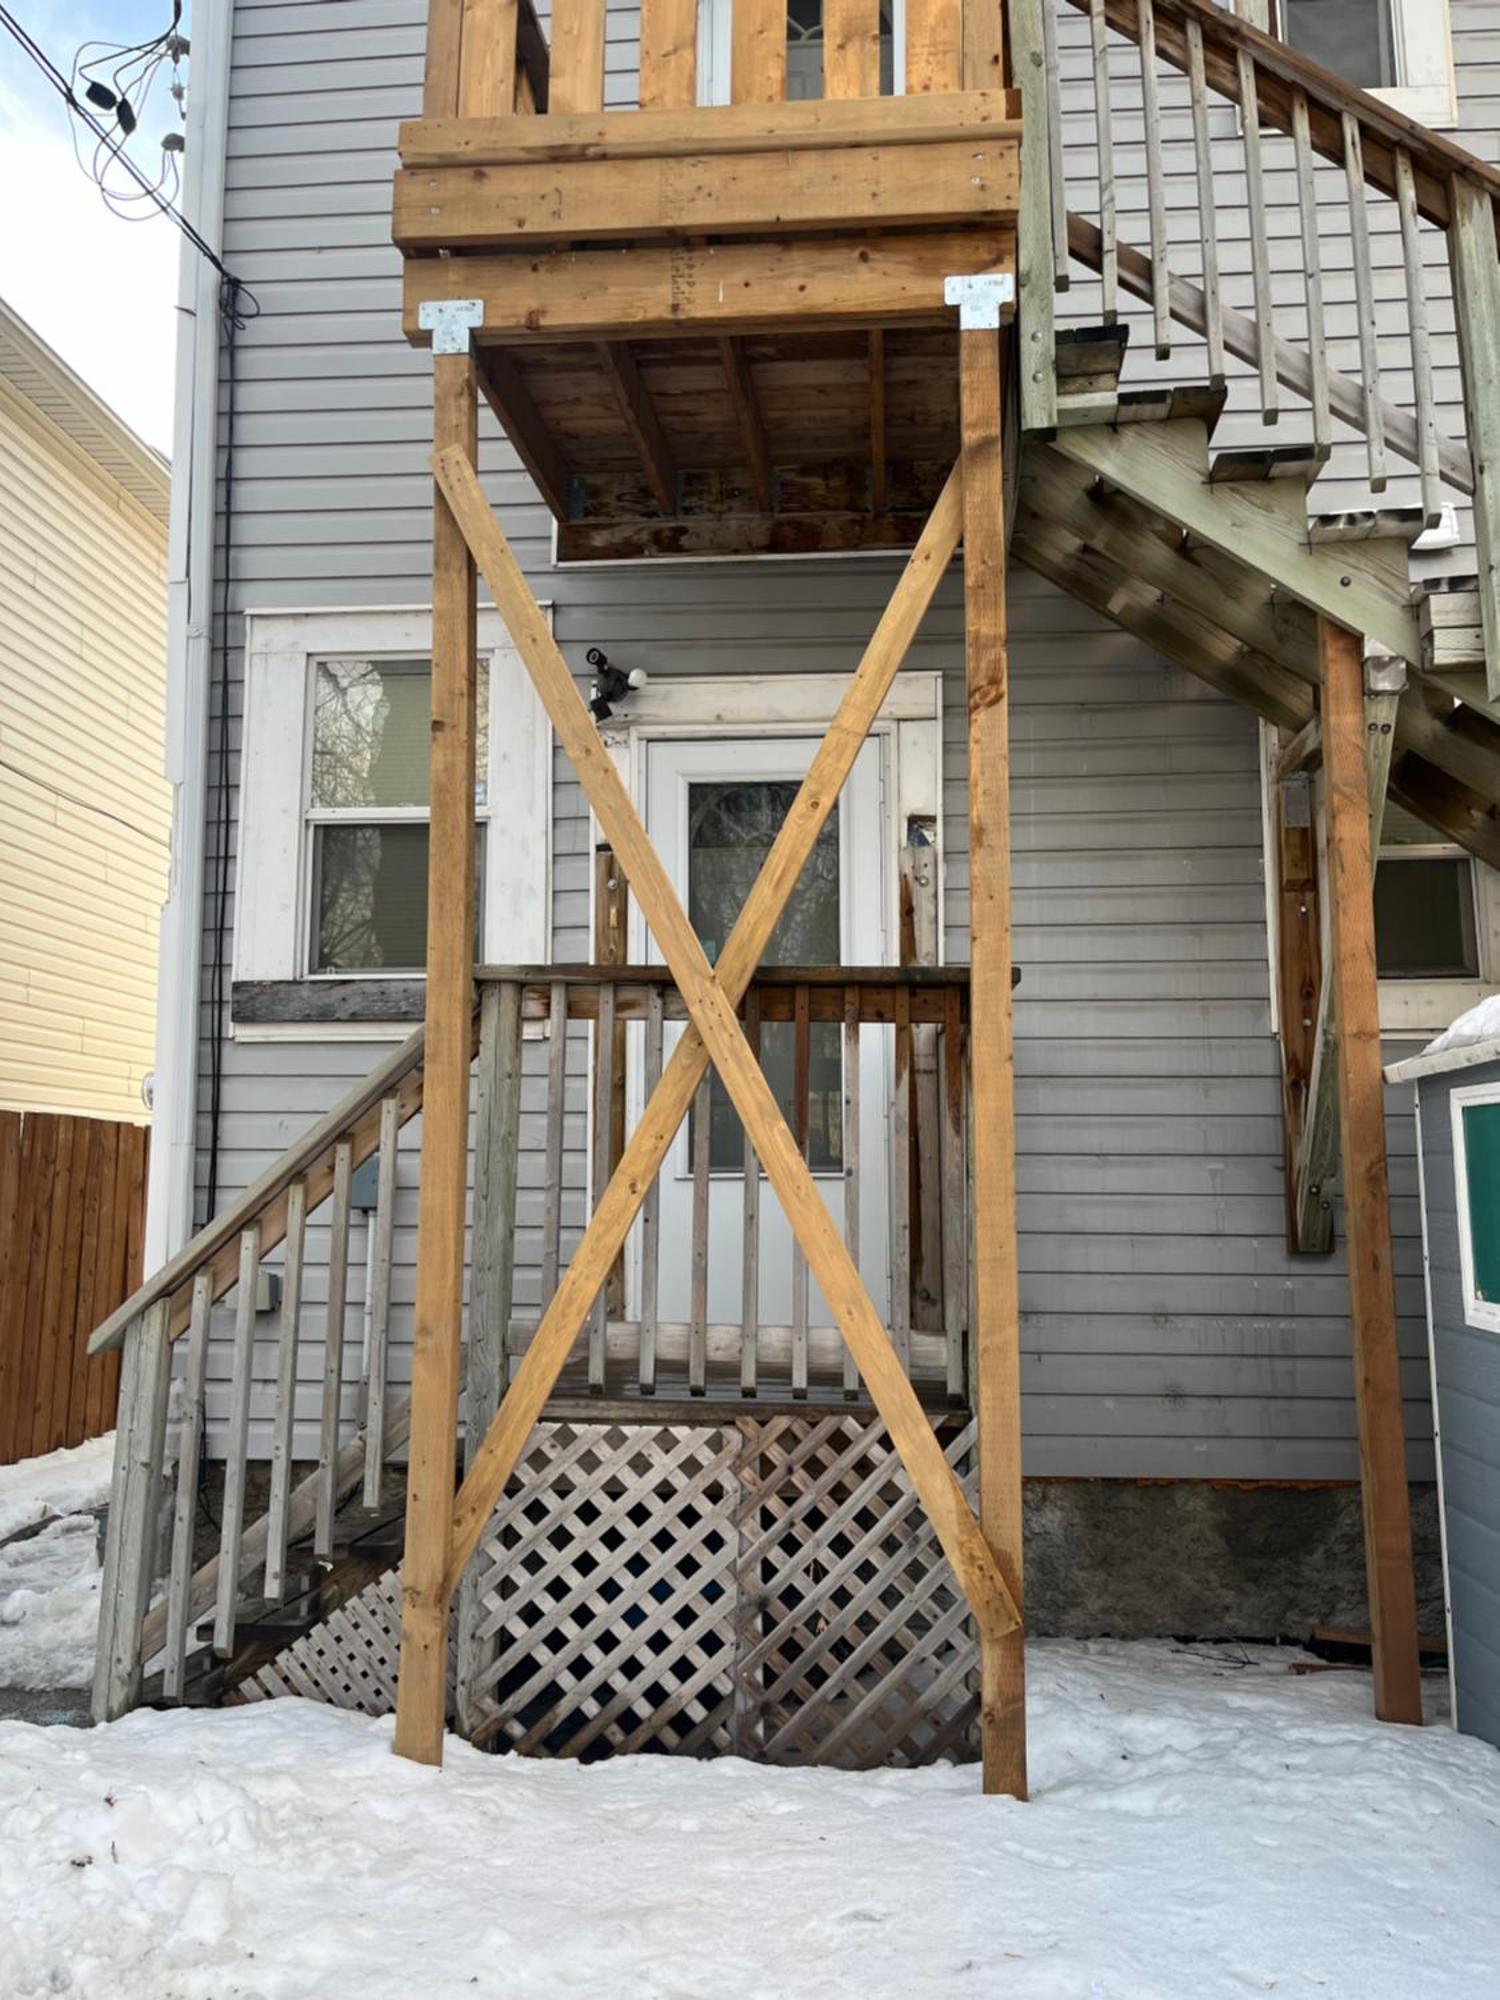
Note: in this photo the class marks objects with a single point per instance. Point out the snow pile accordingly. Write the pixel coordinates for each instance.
(64, 1482)
(1480, 1024)
(49, 1565)
(1204, 1824)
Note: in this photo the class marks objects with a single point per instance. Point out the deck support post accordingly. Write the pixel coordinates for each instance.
(1312, 1125)
(1299, 970)
(422, 1689)
(711, 996)
(996, 1307)
(1372, 1293)
(134, 1495)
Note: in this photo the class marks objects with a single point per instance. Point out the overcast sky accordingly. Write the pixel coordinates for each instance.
(100, 290)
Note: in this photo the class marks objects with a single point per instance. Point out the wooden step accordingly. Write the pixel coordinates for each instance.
(1201, 401)
(1448, 618)
(1089, 358)
(1249, 465)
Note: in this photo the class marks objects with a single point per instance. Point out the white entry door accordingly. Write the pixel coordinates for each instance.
(713, 807)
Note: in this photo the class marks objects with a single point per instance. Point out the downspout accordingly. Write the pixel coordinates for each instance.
(190, 592)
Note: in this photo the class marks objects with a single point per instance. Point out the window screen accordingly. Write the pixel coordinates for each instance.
(1353, 38)
(1424, 904)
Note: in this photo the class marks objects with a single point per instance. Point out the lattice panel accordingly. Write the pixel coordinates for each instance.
(860, 1651)
(606, 1588)
(770, 1588)
(348, 1660)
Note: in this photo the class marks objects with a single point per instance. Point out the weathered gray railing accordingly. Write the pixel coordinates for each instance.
(175, 1303)
(1399, 181)
(647, 1354)
(922, 1010)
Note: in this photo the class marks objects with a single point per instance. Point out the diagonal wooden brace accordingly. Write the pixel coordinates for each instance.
(715, 1034)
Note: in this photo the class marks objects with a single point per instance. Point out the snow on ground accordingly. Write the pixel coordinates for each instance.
(1204, 1824)
(64, 1482)
(49, 1565)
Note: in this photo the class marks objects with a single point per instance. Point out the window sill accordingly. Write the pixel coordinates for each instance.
(1431, 104)
(1424, 1007)
(370, 1009)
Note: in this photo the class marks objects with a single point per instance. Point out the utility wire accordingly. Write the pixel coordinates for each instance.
(85, 116)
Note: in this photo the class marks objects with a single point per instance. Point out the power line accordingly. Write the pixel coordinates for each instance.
(237, 305)
(115, 149)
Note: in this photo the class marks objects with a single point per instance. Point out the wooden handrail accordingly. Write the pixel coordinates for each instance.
(355, 1118)
(1189, 307)
(1281, 70)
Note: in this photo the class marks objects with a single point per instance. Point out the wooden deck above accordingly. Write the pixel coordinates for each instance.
(711, 329)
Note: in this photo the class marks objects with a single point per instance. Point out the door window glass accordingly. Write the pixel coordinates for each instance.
(731, 825)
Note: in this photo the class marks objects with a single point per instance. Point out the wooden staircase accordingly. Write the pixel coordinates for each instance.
(1214, 554)
(1220, 559)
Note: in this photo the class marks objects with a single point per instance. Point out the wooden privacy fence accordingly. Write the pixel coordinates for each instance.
(72, 1210)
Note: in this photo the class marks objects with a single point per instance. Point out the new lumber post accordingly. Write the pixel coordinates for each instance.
(996, 1294)
(422, 1686)
(1384, 1496)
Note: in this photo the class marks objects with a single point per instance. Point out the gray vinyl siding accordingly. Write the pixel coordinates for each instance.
(1166, 1331)
(1466, 1368)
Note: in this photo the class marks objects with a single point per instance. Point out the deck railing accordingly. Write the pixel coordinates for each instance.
(528, 1021)
(486, 58)
(1192, 175)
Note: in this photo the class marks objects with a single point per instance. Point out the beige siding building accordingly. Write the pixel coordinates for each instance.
(84, 809)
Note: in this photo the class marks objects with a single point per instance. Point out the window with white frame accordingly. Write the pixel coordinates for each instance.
(1399, 50)
(335, 804)
(1475, 1110)
(368, 809)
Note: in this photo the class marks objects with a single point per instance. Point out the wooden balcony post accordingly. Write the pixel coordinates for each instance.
(422, 1688)
(996, 1307)
(1367, 1203)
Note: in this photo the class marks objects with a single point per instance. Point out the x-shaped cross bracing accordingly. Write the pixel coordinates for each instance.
(714, 1035)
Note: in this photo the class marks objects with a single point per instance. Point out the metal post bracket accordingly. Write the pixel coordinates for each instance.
(449, 322)
(979, 296)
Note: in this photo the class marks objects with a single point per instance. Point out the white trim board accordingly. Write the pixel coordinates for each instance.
(1482, 1314)
(1411, 1069)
